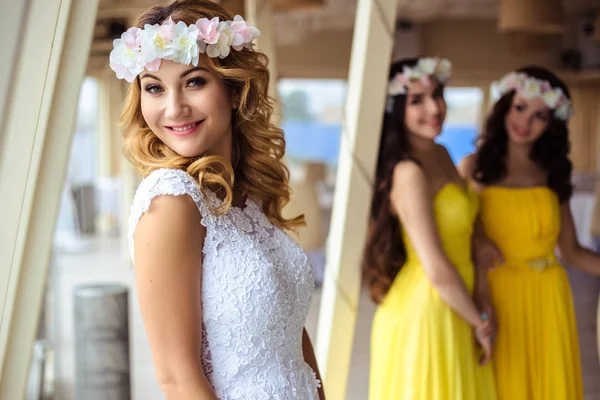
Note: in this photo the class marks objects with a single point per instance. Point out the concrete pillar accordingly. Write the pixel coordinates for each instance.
(102, 342)
(374, 31)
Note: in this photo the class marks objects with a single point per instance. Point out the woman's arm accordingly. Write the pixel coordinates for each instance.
(309, 357)
(570, 249)
(413, 202)
(486, 254)
(168, 265)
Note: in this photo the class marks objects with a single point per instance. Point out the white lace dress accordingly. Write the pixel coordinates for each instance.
(257, 286)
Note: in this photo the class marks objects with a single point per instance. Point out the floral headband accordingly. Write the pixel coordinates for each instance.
(440, 68)
(140, 49)
(530, 88)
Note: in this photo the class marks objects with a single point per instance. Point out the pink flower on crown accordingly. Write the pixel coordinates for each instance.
(125, 58)
(208, 32)
(222, 47)
(546, 86)
(399, 83)
(243, 33)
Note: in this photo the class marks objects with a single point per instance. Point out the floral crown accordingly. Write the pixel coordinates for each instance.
(140, 49)
(530, 88)
(440, 68)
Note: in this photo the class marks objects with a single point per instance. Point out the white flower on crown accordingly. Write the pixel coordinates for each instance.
(552, 97)
(124, 58)
(511, 81)
(564, 111)
(156, 41)
(243, 34)
(185, 44)
(443, 70)
(530, 88)
(426, 67)
(140, 49)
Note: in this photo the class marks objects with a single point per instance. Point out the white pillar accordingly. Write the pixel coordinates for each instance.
(369, 65)
(54, 41)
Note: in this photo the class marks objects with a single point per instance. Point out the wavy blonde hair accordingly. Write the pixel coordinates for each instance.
(259, 146)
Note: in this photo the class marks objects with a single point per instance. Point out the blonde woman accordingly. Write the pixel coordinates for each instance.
(223, 290)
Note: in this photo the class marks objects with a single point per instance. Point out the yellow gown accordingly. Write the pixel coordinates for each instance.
(420, 348)
(536, 353)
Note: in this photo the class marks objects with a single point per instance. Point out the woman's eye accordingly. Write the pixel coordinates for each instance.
(417, 100)
(520, 107)
(196, 82)
(153, 89)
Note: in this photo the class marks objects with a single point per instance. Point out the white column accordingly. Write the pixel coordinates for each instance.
(369, 65)
(13, 13)
(36, 131)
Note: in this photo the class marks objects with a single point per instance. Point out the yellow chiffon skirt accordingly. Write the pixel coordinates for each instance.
(421, 349)
(537, 351)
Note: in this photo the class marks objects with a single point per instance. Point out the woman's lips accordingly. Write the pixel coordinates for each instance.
(184, 129)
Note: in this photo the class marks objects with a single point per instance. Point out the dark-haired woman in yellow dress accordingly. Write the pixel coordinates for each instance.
(523, 172)
(429, 338)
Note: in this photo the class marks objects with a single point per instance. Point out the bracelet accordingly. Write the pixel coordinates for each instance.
(484, 317)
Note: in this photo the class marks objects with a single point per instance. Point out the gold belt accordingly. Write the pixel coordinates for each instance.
(539, 263)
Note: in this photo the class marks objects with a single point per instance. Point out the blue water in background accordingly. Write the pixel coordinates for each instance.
(314, 141)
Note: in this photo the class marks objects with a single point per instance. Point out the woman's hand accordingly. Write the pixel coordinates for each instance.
(483, 336)
(484, 304)
(486, 255)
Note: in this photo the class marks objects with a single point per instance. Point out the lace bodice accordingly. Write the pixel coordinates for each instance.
(257, 286)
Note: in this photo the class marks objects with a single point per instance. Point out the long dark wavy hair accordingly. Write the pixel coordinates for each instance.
(385, 252)
(550, 152)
